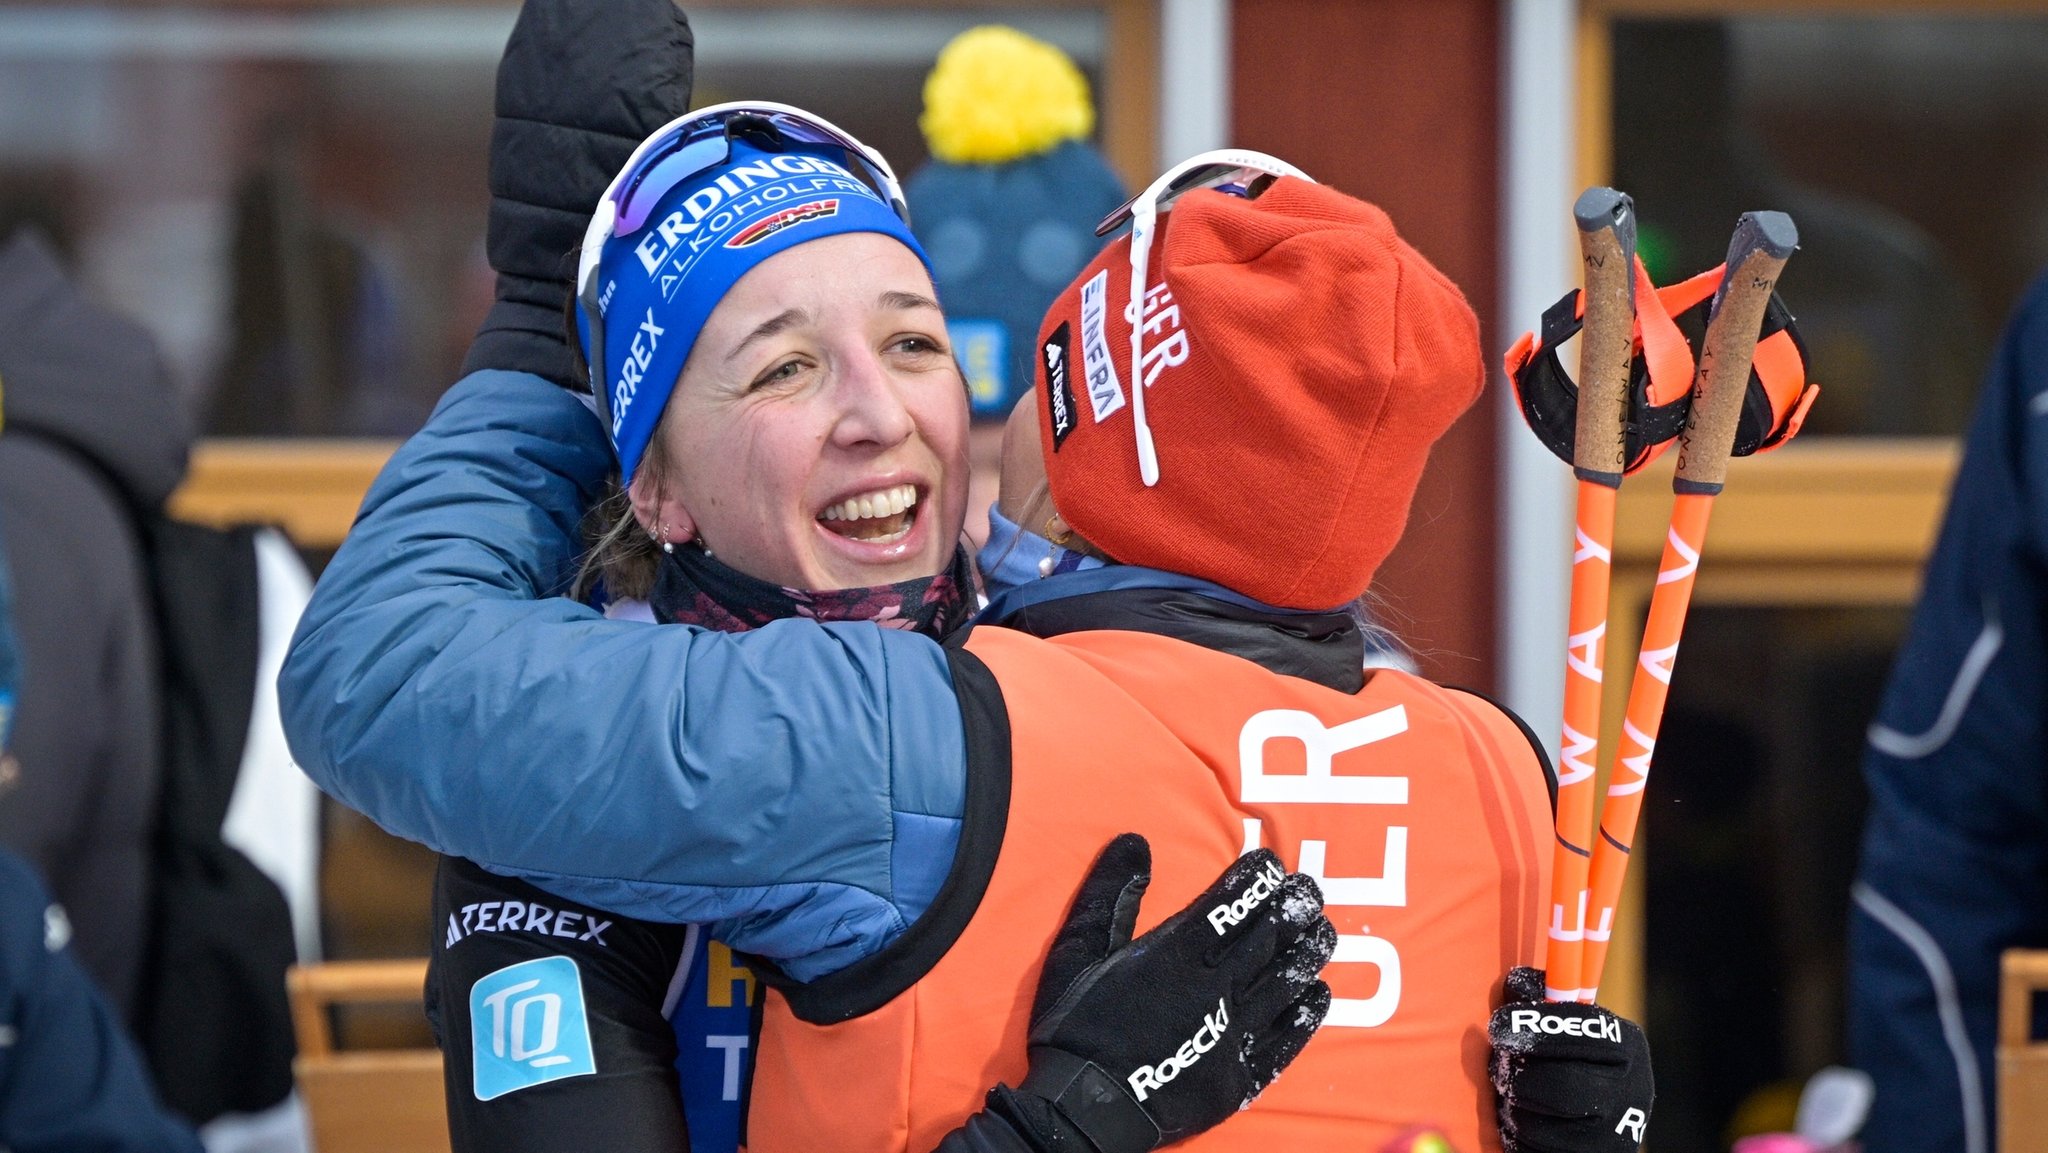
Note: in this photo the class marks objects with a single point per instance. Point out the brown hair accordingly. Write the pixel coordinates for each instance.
(621, 552)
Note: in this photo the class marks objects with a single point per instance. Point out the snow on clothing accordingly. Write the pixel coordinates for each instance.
(373, 605)
(1955, 845)
(93, 423)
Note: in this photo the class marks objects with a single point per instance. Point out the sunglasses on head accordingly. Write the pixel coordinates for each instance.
(686, 147)
(1231, 170)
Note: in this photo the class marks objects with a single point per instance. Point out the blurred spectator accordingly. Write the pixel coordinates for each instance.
(69, 1077)
(1955, 847)
(317, 345)
(93, 426)
(1008, 206)
(147, 733)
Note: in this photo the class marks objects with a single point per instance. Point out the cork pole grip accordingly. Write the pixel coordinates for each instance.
(1763, 241)
(1607, 245)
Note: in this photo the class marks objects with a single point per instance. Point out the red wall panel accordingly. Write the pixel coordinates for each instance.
(1397, 101)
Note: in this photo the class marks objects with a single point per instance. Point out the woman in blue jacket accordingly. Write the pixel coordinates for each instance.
(757, 258)
(414, 658)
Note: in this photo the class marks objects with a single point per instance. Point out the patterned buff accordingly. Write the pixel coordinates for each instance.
(695, 589)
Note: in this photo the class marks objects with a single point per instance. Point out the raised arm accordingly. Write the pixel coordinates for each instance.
(663, 772)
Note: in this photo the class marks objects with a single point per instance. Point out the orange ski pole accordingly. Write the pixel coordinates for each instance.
(1607, 241)
(1763, 241)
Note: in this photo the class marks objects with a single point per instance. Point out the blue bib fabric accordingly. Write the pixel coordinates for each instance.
(713, 1022)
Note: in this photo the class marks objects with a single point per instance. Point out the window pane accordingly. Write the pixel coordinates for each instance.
(1912, 152)
(294, 201)
(1750, 832)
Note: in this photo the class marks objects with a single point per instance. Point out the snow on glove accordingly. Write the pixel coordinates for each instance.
(1572, 1078)
(1135, 1044)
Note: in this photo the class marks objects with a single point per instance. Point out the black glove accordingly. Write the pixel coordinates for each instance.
(1572, 1078)
(579, 87)
(1135, 1044)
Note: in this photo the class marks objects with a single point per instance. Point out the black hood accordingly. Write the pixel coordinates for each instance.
(75, 371)
(1327, 648)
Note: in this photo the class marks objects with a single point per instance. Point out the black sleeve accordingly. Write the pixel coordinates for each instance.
(549, 1015)
(985, 1133)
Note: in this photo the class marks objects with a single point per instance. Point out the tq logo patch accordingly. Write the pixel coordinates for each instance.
(527, 1026)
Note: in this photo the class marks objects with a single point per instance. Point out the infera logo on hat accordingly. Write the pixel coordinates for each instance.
(1296, 359)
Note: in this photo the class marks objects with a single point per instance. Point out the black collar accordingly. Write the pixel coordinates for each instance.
(1326, 648)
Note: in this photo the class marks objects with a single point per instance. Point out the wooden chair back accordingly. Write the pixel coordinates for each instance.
(365, 1100)
(2022, 1057)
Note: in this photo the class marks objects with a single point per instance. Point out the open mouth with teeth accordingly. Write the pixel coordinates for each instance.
(877, 517)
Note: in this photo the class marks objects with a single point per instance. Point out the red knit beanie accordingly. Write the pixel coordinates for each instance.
(1301, 358)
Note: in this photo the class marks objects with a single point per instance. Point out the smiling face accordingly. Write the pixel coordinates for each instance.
(817, 436)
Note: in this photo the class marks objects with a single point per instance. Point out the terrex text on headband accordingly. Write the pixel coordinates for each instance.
(702, 200)
(1228, 169)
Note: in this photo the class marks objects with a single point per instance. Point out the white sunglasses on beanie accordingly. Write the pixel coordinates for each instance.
(1235, 170)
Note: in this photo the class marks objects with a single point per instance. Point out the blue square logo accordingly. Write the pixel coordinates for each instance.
(983, 349)
(528, 1026)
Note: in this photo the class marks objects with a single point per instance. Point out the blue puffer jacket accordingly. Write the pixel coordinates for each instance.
(835, 836)
(1955, 850)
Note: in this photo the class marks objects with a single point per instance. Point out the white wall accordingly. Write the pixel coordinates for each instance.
(1538, 264)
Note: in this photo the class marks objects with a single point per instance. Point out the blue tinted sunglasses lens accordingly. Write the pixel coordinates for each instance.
(645, 190)
(1219, 176)
(703, 145)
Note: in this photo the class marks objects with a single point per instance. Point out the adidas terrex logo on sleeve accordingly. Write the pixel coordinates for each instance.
(1222, 917)
(524, 917)
(1600, 1028)
(1146, 1078)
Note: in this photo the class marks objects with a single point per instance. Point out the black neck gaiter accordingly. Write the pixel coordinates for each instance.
(696, 589)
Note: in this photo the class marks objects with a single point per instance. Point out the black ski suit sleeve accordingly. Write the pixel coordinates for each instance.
(486, 924)
(618, 968)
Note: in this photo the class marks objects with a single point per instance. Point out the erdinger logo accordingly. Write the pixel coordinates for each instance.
(1600, 1028)
(1146, 1078)
(761, 230)
(737, 193)
(1223, 916)
(1059, 388)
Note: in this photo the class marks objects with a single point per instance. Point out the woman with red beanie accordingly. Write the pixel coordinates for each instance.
(1233, 405)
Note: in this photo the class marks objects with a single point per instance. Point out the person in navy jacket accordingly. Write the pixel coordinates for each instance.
(1955, 846)
(70, 1078)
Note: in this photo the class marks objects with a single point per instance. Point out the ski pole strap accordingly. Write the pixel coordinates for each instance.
(1660, 379)
(1779, 394)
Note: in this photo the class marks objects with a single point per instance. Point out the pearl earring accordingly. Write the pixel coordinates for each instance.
(1054, 542)
(667, 546)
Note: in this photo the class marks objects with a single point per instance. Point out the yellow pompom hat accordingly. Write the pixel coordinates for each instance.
(1007, 208)
(998, 95)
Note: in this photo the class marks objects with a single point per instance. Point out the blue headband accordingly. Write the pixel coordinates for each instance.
(659, 284)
